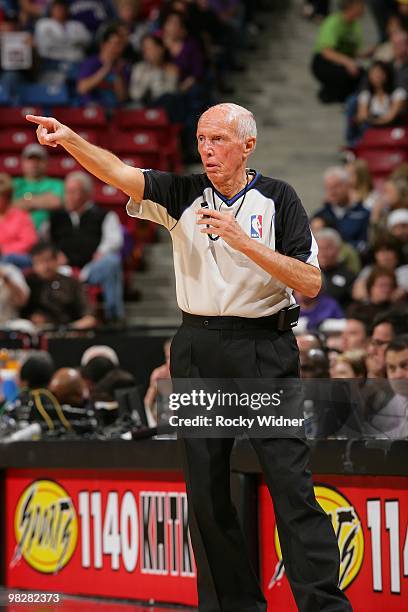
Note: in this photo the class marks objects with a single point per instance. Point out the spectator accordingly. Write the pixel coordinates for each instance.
(314, 364)
(348, 253)
(385, 52)
(350, 364)
(55, 299)
(378, 104)
(307, 341)
(102, 78)
(153, 81)
(399, 41)
(383, 11)
(184, 50)
(387, 254)
(361, 183)
(397, 225)
(338, 43)
(60, 40)
(31, 10)
(35, 191)
(96, 369)
(318, 309)
(91, 239)
(349, 218)
(68, 386)
(14, 294)
(338, 278)
(392, 419)
(17, 233)
(354, 335)
(16, 58)
(385, 328)
(37, 370)
(381, 293)
(393, 196)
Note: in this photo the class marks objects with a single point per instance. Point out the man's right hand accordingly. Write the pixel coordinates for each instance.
(50, 132)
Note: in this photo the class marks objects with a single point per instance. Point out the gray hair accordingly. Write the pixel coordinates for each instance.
(83, 178)
(245, 120)
(330, 234)
(339, 172)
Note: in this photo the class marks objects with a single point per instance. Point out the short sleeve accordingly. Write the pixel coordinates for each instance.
(327, 37)
(399, 94)
(294, 237)
(166, 197)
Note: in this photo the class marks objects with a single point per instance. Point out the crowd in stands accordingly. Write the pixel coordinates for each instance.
(356, 327)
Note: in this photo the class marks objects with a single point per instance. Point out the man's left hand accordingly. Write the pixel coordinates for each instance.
(222, 224)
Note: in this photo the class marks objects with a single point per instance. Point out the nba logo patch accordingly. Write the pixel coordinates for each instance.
(256, 226)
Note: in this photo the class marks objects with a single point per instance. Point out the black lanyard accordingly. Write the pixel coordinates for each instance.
(215, 238)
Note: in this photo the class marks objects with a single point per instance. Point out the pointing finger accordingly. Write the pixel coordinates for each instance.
(44, 121)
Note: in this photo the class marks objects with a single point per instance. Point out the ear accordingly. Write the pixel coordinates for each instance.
(249, 146)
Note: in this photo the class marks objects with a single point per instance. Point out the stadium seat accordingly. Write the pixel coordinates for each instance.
(147, 118)
(15, 116)
(59, 166)
(88, 117)
(382, 162)
(44, 95)
(111, 198)
(143, 144)
(89, 135)
(14, 140)
(384, 138)
(133, 160)
(10, 164)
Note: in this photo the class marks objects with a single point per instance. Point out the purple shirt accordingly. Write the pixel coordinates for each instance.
(190, 60)
(324, 307)
(104, 93)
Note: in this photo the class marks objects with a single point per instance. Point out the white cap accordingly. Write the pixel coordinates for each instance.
(99, 350)
(397, 216)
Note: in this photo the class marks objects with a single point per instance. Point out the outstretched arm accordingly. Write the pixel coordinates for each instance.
(99, 162)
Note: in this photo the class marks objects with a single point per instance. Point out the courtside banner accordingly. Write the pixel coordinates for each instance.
(369, 516)
(115, 534)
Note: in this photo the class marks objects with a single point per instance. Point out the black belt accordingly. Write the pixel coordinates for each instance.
(192, 320)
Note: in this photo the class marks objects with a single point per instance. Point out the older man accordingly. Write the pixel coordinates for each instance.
(90, 239)
(242, 243)
(349, 218)
(338, 278)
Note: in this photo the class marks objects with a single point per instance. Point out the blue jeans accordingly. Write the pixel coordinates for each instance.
(107, 272)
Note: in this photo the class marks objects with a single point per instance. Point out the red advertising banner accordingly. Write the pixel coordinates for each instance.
(121, 534)
(369, 516)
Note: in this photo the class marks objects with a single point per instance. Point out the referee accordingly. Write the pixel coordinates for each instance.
(241, 244)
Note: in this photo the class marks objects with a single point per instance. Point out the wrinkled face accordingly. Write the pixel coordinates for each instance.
(380, 339)
(222, 152)
(337, 190)
(45, 265)
(152, 52)
(353, 335)
(386, 258)
(33, 167)
(341, 369)
(75, 195)
(328, 252)
(397, 370)
(381, 290)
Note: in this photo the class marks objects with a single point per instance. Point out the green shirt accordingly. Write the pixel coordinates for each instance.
(338, 34)
(46, 184)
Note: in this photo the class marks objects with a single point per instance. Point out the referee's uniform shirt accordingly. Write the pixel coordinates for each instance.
(230, 330)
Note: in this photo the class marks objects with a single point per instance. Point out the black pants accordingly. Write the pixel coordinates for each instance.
(336, 82)
(224, 347)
